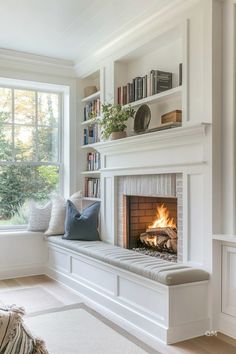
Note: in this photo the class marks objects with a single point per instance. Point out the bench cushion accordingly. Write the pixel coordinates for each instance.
(159, 270)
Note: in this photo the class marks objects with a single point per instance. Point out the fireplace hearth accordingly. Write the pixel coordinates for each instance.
(150, 225)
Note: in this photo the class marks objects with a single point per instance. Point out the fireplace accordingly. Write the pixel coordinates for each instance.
(150, 225)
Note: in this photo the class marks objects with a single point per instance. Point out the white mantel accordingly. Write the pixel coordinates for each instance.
(182, 150)
(172, 148)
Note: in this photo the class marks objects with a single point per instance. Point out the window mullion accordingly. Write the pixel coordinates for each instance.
(13, 123)
(36, 127)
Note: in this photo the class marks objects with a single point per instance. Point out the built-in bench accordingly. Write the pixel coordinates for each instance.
(153, 299)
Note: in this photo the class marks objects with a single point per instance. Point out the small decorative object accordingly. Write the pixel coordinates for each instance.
(114, 120)
(89, 90)
(118, 135)
(142, 118)
(172, 117)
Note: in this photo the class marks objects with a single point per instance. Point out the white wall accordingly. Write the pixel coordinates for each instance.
(23, 253)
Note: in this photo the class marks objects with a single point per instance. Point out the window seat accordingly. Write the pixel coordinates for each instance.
(162, 271)
(151, 298)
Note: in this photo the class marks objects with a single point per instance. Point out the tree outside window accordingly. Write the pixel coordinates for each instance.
(29, 150)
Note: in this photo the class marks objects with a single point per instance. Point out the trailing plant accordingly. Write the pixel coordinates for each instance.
(114, 118)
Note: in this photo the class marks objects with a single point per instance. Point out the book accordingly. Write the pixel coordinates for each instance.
(180, 74)
(93, 161)
(93, 108)
(157, 81)
(160, 81)
(92, 187)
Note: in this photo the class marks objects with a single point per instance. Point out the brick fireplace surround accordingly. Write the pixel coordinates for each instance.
(159, 188)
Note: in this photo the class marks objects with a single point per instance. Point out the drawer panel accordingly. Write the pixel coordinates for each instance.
(59, 260)
(95, 275)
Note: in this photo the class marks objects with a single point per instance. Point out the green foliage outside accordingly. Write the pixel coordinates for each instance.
(22, 182)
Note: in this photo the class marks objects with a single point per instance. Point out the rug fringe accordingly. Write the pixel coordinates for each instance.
(39, 347)
(17, 309)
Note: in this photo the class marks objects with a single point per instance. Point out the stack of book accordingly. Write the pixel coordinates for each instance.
(93, 108)
(140, 87)
(91, 134)
(93, 161)
(92, 187)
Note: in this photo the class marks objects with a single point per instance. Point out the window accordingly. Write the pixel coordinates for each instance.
(30, 157)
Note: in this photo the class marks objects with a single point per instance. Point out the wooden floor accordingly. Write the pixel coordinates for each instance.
(201, 345)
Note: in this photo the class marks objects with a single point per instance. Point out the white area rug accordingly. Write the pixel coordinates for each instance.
(80, 330)
(32, 299)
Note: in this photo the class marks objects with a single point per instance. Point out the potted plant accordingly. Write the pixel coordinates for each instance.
(114, 120)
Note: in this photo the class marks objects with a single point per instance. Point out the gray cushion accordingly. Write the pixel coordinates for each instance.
(165, 272)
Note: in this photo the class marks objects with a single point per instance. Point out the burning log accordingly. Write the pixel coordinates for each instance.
(159, 241)
(172, 245)
(153, 240)
(165, 231)
(162, 234)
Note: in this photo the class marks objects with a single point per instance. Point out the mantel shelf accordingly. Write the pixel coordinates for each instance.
(225, 238)
(168, 138)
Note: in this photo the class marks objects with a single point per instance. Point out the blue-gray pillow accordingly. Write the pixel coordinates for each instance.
(81, 225)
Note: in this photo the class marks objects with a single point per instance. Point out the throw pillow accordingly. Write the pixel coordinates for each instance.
(58, 214)
(39, 216)
(82, 226)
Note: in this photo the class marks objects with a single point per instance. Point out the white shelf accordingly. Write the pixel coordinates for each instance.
(92, 199)
(89, 121)
(95, 172)
(225, 238)
(89, 146)
(171, 94)
(91, 97)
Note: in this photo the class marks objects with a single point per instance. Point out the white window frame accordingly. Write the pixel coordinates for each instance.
(44, 88)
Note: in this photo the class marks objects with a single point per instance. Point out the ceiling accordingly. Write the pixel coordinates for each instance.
(70, 29)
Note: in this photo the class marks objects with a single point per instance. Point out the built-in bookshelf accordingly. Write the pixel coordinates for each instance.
(152, 75)
(157, 66)
(90, 108)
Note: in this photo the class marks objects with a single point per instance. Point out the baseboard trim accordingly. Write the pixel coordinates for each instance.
(22, 271)
(227, 325)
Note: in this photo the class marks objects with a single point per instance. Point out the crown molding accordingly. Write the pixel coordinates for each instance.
(148, 29)
(33, 62)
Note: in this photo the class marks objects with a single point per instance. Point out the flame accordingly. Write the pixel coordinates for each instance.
(162, 218)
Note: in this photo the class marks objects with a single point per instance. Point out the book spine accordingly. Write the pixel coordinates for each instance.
(118, 95)
(140, 88)
(144, 81)
(180, 74)
(124, 94)
(152, 82)
(164, 81)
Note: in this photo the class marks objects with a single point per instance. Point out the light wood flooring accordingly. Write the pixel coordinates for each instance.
(65, 296)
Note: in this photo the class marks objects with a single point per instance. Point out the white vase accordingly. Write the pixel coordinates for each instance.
(117, 135)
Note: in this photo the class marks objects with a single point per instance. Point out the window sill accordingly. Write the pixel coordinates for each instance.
(20, 233)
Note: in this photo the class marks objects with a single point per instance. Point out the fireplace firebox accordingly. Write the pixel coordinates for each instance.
(150, 225)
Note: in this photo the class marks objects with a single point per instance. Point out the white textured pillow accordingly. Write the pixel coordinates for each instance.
(39, 216)
(58, 214)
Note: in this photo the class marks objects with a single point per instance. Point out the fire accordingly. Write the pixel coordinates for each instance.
(162, 219)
